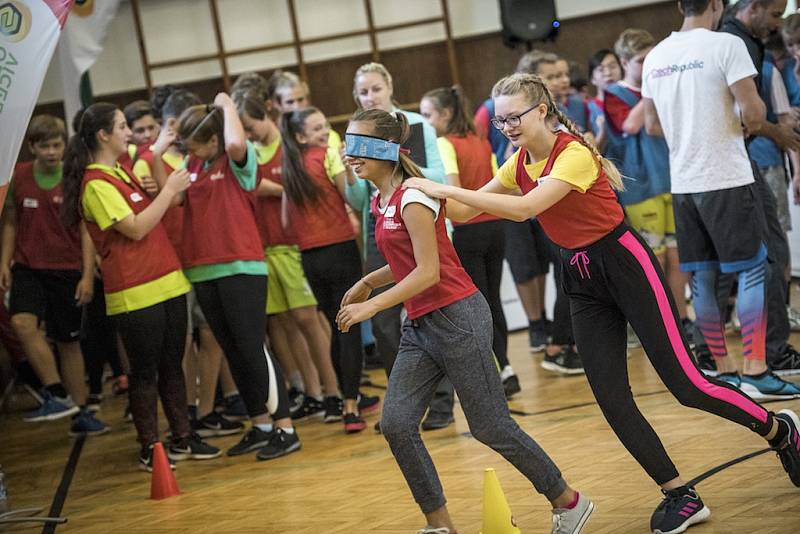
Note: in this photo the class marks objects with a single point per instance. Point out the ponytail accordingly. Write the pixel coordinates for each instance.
(300, 188)
(453, 98)
(79, 154)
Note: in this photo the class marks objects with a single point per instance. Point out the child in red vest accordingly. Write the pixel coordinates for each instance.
(314, 181)
(223, 258)
(611, 276)
(142, 278)
(447, 333)
(51, 279)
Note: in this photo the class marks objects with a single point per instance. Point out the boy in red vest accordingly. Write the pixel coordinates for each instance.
(52, 277)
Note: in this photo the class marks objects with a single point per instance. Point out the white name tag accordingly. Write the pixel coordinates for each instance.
(30, 203)
(136, 197)
(217, 176)
(193, 177)
(390, 211)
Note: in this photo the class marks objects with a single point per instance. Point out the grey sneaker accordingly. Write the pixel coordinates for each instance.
(566, 521)
(432, 530)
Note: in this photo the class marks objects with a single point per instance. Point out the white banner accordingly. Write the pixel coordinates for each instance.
(81, 43)
(29, 31)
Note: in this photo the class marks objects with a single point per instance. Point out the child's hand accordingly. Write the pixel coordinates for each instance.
(223, 100)
(149, 185)
(166, 137)
(358, 293)
(179, 180)
(429, 187)
(353, 314)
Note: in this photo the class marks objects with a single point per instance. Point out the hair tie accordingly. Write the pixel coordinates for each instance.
(406, 151)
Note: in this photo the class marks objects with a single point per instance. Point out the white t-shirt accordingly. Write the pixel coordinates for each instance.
(687, 75)
(411, 196)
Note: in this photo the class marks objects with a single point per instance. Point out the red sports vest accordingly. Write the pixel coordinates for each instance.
(324, 222)
(578, 219)
(269, 208)
(173, 218)
(394, 244)
(474, 156)
(219, 224)
(128, 263)
(42, 241)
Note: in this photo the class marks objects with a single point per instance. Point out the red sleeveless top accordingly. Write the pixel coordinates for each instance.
(42, 240)
(474, 156)
(128, 263)
(268, 210)
(394, 243)
(219, 224)
(578, 219)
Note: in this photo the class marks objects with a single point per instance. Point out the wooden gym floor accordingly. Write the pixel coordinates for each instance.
(350, 484)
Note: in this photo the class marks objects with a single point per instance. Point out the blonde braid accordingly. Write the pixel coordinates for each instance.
(612, 173)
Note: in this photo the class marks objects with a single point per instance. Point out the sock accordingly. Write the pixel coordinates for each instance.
(536, 325)
(783, 430)
(234, 393)
(289, 430)
(264, 427)
(57, 390)
(506, 372)
(296, 380)
(574, 502)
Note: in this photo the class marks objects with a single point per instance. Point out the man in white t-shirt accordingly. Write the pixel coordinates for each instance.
(698, 89)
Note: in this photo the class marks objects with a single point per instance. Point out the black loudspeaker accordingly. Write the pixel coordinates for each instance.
(525, 21)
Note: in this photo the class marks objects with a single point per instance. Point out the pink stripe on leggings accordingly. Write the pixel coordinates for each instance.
(628, 241)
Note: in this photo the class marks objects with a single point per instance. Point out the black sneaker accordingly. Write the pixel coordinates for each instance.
(214, 424)
(688, 329)
(333, 409)
(353, 423)
(537, 336)
(311, 407)
(252, 441)
(566, 362)
(234, 408)
(280, 444)
(511, 386)
(191, 448)
(437, 420)
(705, 361)
(787, 363)
(678, 511)
(789, 448)
(368, 404)
(93, 403)
(295, 398)
(146, 459)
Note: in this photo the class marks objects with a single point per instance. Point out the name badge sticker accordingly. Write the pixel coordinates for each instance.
(30, 203)
(136, 197)
(390, 211)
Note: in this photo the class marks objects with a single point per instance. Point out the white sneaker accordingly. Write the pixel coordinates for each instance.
(794, 318)
(572, 521)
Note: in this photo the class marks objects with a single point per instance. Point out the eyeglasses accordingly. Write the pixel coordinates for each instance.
(513, 121)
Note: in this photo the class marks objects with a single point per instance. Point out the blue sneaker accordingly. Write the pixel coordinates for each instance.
(768, 386)
(52, 408)
(731, 378)
(86, 423)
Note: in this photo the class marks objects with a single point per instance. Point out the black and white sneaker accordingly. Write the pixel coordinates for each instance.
(705, 361)
(789, 448)
(678, 511)
(93, 403)
(214, 424)
(333, 409)
(146, 459)
(254, 439)
(280, 444)
(311, 407)
(566, 362)
(191, 448)
(787, 363)
(296, 397)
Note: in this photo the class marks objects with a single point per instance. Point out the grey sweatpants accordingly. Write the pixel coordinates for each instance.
(456, 341)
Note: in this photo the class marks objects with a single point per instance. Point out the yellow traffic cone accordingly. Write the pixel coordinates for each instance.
(497, 517)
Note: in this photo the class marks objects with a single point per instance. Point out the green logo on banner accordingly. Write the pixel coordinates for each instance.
(15, 21)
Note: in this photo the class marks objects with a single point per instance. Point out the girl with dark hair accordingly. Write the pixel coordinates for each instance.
(445, 310)
(469, 162)
(604, 69)
(143, 282)
(611, 277)
(314, 189)
(223, 258)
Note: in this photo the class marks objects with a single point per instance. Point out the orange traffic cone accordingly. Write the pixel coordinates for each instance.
(163, 483)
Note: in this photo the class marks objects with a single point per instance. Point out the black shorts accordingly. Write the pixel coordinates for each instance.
(720, 230)
(527, 250)
(50, 296)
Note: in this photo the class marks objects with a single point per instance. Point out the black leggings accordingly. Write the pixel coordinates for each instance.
(481, 248)
(619, 280)
(331, 271)
(235, 308)
(99, 341)
(154, 339)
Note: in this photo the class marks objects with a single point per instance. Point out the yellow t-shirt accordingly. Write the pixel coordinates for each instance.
(265, 153)
(333, 163)
(103, 204)
(334, 140)
(448, 154)
(142, 169)
(575, 165)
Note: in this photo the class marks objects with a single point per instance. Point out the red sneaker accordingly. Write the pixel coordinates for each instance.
(353, 423)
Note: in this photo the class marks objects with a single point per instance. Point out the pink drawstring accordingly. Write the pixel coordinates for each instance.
(581, 260)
